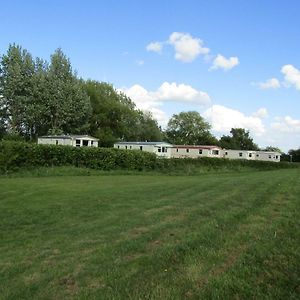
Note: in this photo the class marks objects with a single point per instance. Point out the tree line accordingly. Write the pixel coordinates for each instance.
(39, 97)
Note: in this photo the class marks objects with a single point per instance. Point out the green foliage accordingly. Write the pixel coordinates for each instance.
(115, 117)
(16, 89)
(68, 104)
(239, 140)
(272, 149)
(147, 128)
(113, 114)
(190, 166)
(39, 98)
(189, 128)
(15, 155)
(294, 155)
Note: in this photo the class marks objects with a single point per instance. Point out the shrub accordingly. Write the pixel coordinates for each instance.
(15, 155)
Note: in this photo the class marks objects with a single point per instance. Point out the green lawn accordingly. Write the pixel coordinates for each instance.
(214, 236)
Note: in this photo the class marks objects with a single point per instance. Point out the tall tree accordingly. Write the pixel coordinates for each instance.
(239, 140)
(16, 84)
(148, 129)
(189, 128)
(37, 98)
(294, 155)
(68, 104)
(115, 117)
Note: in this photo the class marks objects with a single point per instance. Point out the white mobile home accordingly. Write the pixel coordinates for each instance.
(161, 149)
(268, 156)
(239, 154)
(251, 155)
(69, 140)
(190, 151)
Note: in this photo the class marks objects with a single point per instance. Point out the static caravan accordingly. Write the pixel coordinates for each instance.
(161, 149)
(189, 151)
(267, 156)
(239, 154)
(69, 140)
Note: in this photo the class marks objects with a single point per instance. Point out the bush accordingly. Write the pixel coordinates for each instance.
(16, 155)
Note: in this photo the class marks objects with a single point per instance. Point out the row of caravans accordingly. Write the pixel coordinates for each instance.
(167, 150)
(163, 149)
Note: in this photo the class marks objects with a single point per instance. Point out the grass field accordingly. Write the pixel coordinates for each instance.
(214, 236)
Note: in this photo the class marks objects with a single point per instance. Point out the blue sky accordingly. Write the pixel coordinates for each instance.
(236, 62)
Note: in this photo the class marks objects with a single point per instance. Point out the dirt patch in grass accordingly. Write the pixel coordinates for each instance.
(174, 218)
(96, 283)
(137, 231)
(69, 283)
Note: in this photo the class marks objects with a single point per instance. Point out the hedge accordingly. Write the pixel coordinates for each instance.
(16, 155)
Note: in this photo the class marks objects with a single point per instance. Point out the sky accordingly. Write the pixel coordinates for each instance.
(235, 62)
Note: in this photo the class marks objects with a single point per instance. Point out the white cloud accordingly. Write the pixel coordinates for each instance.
(286, 125)
(261, 113)
(291, 75)
(272, 83)
(141, 97)
(187, 48)
(167, 92)
(171, 92)
(155, 47)
(223, 119)
(145, 101)
(221, 62)
(140, 62)
(180, 93)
